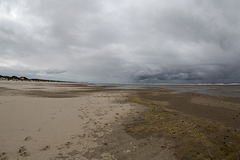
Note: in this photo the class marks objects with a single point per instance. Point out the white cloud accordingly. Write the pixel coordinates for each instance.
(13, 64)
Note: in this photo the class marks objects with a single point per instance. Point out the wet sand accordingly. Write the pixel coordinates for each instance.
(217, 108)
(202, 126)
(42, 120)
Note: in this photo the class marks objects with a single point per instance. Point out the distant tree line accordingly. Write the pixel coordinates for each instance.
(15, 78)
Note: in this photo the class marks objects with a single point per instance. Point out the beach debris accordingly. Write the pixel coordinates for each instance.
(106, 156)
(209, 153)
(127, 151)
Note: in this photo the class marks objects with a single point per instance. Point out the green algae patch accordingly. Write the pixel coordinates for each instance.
(195, 138)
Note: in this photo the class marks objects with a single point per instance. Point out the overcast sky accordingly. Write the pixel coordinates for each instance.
(126, 41)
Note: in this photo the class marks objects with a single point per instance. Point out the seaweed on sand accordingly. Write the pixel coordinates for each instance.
(195, 138)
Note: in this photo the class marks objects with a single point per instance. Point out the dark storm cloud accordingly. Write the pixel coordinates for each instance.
(221, 74)
(124, 41)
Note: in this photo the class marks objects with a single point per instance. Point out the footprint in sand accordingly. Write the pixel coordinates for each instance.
(28, 138)
(45, 148)
(73, 153)
(39, 129)
(3, 156)
(80, 116)
(68, 144)
(23, 151)
(61, 156)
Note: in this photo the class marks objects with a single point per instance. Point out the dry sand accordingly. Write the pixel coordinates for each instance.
(41, 120)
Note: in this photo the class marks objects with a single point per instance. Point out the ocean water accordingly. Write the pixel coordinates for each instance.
(217, 90)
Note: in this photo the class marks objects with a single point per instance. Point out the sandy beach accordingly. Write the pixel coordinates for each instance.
(38, 122)
(56, 120)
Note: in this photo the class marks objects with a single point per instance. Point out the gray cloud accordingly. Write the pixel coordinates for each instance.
(50, 72)
(126, 41)
(200, 74)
